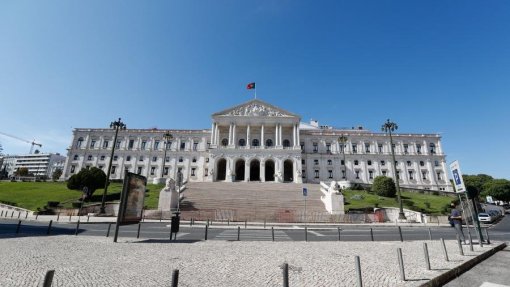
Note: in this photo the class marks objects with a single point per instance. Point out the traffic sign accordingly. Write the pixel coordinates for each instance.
(457, 177)
(305, 191)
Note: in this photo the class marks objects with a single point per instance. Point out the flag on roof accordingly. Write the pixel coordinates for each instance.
(250, 86)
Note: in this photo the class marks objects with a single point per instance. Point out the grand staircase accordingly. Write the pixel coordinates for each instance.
(240, 201)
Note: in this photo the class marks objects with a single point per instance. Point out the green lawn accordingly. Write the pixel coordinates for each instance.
(33, 195)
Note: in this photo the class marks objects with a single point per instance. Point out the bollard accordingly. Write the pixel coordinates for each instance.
(245, 223)
(470, 241)
(426, 253)
(12, 213)
(138, 233)
(401, 264)
(461, 251)
(58, 216)
(70, 214)
(285, 275)
(371, 234)
(339, 233)
(306, 234)
(49, 227)
(264, 223)
(487, 234)
(77, 227)
(175, 278)
(206, 227)
(88, 217)
(400, 233)
(18, 227)
(445, 253)
(430, 235)
(108, 232)
(26, 215)
(272, 232)
(207, 222)
(19, 214)
(358, 270)
(228, 221)
(48, 279)
(161, 216)
(190, 222)
(2, 214)
(238, 233)
(37, 215)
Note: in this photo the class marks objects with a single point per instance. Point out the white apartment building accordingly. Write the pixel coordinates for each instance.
(41, 164)
(256, 141)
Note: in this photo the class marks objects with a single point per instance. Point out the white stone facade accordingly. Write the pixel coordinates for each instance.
(256, 141)
(42, 164)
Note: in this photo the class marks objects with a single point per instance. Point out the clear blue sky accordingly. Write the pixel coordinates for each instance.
(430, 66)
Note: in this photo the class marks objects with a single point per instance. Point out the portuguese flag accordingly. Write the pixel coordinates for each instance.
(250, 86)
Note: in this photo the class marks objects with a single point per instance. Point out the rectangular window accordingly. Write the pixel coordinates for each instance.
(303, 173)
(422, 163)
(166, 170)
(357, 174)
(140, 158)
(100, 167)
(102, 157)
(181, 159)
(118, 144)
(89, 157)
(206, 159)
(144, 143)
(302, 161)
(439, 176)
(315, 148)
(343, 173)
(330, 162)
(131, 144)
(328, 147)
(432, 148)
(167, 159)
(408, 163)
(436, 163)
(330, 173)
(380, 147)
(193, 171)
(195, 146)
(140, 170)
(406, 148)
(105, 144)
(411, 176)
(316, 173)
(206, 172)
(383, 162)
(208, 146)
(113, 170)
(424, 175)
(154, 158)
(384, 172)
(341, 147)
(354, 148)
(418, 148)
(302, 146)
(398, 174)
(156, 144)
(370, 174)
(183, 145)
(73, 168)
(369, 162)
(115, 158)
(342, 162)
(153, 169)
(316, 161)
(367, 148)
(128, 158)
(169, 145)
(92, 143)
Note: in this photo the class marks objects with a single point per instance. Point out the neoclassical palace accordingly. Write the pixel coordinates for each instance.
(258, 142)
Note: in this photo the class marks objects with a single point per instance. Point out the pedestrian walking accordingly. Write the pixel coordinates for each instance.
(456, 218)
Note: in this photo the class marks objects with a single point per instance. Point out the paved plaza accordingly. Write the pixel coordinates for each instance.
(97, 261)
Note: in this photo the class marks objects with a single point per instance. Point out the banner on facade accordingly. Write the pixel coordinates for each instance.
(132, 199)
(457, 177)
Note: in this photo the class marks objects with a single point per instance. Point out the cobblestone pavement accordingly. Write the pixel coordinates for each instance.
(94, 261)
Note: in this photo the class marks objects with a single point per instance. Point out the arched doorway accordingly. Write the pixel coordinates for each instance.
(255, 170)
(221, 169)
(269, 170)
(240, 169)
(288, 170)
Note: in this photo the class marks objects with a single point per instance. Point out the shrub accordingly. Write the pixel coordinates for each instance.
(427, 204)
(92, 178)
(384, 186)
(408, 202)
(435, 192)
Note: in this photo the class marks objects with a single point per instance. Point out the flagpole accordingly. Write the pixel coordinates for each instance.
(255, 93)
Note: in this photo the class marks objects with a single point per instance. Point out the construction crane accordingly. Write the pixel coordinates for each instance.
(33, 143)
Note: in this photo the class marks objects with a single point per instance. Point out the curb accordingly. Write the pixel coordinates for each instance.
(457, 271)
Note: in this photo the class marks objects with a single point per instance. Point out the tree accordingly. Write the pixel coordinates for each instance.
(384, 186)
(475, 183)
(56, 174)
(92, 179)
(498, 188)
(22, 171)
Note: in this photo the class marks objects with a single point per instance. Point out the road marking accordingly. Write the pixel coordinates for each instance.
(315, 233)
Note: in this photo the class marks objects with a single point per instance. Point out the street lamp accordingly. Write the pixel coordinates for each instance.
(168, 137)
(117, 125)
(389, 127)
(343, 139)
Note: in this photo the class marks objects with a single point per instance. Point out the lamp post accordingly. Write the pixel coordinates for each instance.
(343, 139)
(389, 127)
(168, 137)
(117, 125)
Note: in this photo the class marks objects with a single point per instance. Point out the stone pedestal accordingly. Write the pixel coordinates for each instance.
(168, 197)
(333, 199)
(158, 180)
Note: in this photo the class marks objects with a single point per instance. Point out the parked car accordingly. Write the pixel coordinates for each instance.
(484, 217)
(494, 214)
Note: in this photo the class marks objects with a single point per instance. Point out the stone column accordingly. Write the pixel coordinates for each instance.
(248, 136)
(297, 135)
(213, 130)
(276, 136)
(234, 134)
(262, 143)
(294, 135)
(280, 134)
(230, 134)
(247, 170)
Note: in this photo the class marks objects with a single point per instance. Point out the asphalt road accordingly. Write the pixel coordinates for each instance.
(161, 231)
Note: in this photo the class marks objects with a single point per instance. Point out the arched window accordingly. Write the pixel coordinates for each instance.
(224, 142)
(286, 143)
(269, 142)
(242, 142)
(255, 142)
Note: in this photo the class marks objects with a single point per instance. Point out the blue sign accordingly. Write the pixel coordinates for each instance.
(456, 177)
(305, 191)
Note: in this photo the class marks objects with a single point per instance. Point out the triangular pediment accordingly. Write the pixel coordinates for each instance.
(255, 108)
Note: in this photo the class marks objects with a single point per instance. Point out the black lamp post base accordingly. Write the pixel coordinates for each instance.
(401, 216)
